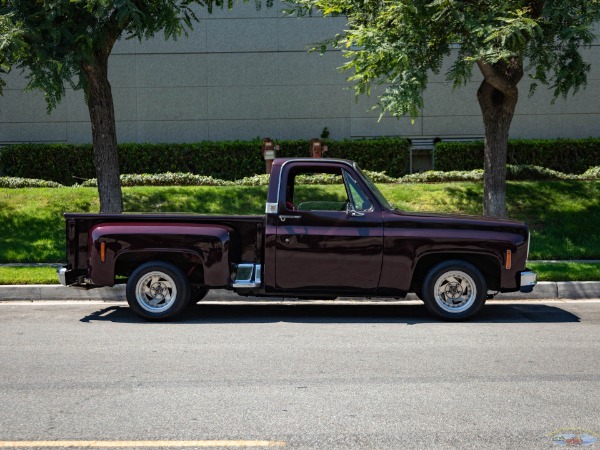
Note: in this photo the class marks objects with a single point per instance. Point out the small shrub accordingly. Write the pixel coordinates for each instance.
(16, 182)
(516, 173)
(436, 176)
(256, 180)
(593, 173)
(380, 177)
(188, 179)
(164, 179)
(528, 172)
(321, 178)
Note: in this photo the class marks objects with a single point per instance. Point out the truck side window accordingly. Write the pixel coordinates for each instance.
(358, 198)
(316, 191)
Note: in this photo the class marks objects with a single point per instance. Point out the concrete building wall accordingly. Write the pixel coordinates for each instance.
(244, 73)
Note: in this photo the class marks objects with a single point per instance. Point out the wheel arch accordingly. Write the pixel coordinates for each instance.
(488, 264)
(190, 263)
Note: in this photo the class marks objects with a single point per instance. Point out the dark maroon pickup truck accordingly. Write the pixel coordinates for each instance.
(313, 242)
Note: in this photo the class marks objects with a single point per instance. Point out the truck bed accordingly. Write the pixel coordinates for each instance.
(248, 229)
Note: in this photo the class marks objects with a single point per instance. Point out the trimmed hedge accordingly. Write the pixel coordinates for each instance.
(515, 173)
(69, 164)
(563, 155)
(188, 179)
(62, 163)
(17, 183)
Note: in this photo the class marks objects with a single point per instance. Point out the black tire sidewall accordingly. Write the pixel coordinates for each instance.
(439, 270)
(181, 282)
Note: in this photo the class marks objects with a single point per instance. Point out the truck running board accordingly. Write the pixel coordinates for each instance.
(248, 276)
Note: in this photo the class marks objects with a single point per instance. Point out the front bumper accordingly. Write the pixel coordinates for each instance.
(528, 281)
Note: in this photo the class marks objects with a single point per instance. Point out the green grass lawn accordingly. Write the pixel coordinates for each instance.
(566, 271)
(564, 216)
(28, 275)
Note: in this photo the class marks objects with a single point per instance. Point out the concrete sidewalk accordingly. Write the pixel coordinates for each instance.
(543, 290)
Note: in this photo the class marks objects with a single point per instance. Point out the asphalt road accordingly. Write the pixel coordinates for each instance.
(359, 376)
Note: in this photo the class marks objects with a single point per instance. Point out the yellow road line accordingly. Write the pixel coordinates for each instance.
(129, 444)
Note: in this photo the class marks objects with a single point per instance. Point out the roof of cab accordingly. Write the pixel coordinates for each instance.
(281, 161)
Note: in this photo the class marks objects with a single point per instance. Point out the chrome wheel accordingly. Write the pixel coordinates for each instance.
(455, 291)
(158, 290)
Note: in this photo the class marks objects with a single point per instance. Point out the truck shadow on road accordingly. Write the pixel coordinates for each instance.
(410, 314)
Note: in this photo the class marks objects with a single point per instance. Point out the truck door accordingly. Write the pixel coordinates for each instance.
(329, 238)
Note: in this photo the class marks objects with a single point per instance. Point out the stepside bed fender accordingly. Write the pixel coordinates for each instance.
(129, 244)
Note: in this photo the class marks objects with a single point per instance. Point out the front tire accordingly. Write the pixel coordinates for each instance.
(157, 291)
(454, 290)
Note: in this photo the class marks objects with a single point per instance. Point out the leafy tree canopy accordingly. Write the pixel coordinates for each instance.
(59, 37)
(402, 42)
(68, 42)
(10, 34)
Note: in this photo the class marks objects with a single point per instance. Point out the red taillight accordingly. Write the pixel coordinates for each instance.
(103, 251)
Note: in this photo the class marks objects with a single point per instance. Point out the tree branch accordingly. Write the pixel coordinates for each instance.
(497, 80)
(537, 8)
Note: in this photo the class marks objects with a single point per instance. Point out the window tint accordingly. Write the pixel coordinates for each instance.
(357, 196)
(316, 191)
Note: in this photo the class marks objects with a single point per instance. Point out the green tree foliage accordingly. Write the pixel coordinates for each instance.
(68, 42)
(401, 43)
(10, 40)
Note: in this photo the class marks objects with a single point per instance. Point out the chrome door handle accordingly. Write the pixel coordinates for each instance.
(284, 218)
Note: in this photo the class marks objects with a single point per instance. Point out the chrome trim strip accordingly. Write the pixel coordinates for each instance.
(283, 218)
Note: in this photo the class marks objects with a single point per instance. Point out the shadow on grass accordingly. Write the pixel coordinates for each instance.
(198, 200)
(408, 314)
(30, 238)
(210, 200)
(466, 198)
(563, 216)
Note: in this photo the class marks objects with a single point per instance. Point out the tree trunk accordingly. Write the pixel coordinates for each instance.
(104, 137)
(497, 96)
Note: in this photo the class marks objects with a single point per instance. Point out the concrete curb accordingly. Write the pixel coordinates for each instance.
(37, 292)
(544, 290)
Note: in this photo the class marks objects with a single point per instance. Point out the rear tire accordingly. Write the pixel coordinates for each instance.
(158, 290)
(454, 290)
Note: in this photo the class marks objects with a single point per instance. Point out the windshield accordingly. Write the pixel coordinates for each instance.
(374, 189)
